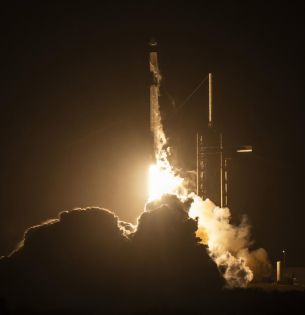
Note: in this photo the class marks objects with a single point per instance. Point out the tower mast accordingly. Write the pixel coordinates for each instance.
(210, 100)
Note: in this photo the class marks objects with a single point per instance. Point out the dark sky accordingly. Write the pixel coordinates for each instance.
(75, 106)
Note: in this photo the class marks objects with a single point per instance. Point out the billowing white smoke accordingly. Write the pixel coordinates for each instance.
(225, 241)
(228, 244)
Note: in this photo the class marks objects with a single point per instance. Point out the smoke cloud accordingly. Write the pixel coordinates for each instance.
(229, 244)
(89, 259)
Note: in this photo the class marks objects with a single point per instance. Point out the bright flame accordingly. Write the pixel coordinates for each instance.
(162, 180)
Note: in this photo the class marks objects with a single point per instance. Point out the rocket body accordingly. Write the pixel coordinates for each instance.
(155, 117)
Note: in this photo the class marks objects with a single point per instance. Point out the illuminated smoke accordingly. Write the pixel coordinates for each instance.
(224, 240)
(228, 244)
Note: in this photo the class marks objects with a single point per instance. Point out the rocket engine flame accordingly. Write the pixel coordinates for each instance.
(162, 180)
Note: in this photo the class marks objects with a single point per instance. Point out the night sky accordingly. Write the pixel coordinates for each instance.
(75, 108)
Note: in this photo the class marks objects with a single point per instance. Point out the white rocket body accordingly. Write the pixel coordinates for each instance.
(155, 117)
